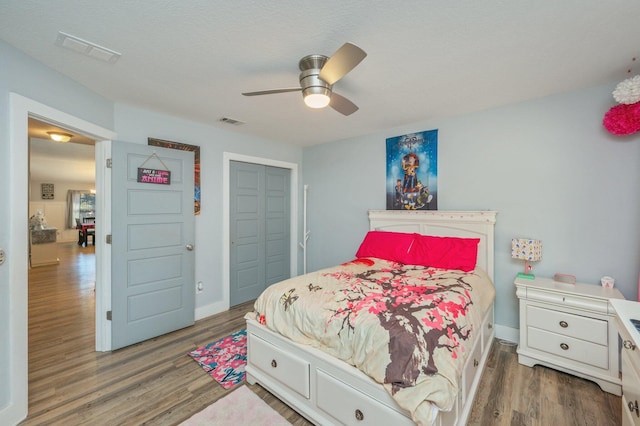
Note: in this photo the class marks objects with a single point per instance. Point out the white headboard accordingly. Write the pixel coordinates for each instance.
(465, 224)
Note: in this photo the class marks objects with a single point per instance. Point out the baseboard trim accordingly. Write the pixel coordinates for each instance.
(507, 333)
(211, 309)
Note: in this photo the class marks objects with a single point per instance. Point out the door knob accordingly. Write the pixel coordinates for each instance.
(190, 247)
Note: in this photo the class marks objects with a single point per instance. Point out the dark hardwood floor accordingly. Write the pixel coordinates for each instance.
(155, 382)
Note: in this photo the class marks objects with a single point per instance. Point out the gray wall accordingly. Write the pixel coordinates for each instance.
(21, 74)
(547, 166)
(136, 125)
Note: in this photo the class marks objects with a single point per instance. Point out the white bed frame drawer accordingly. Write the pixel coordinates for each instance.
(568, 347)
(487, 330)
(346, 403)
(579, 327)
(286, 368)
(470, 369)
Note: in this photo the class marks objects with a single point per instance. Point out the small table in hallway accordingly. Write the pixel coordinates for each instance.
(82, 237)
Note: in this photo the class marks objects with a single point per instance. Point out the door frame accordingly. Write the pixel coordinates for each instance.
(20, 109)
(227, 157)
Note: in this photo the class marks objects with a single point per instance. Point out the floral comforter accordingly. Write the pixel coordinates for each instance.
(408, 327)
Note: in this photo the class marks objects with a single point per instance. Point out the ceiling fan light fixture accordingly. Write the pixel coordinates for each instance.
(60, 137)
(316, 100)
(316, 97)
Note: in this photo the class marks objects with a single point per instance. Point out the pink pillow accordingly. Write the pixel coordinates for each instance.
(444, 252)
(392, 246)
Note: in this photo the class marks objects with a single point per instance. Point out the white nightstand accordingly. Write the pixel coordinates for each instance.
(570, 327)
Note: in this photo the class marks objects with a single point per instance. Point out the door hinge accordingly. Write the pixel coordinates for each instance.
(109, 163)
(108, 315)
(108, 238)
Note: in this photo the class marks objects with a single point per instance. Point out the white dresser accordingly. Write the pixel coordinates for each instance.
(627, 310)
(570, 327)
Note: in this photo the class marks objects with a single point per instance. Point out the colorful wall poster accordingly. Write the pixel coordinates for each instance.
(196, 165)
(412, 171)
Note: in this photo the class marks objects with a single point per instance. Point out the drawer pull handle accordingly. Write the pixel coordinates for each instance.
(359, 415)
(490, 326)
(274, 364)
(475, 363)
(564, 324)
(628, 344)
(633, 406)
(564, 346)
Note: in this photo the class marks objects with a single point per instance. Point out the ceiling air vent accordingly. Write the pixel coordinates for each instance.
(87, 48)
(231, 121)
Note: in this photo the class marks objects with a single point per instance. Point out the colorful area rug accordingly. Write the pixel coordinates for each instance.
(240, 407)
(225, 359)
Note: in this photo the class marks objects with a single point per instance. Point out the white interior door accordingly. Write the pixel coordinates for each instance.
(152, 235)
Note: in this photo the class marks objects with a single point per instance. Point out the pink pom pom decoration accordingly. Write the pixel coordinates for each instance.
(623, 119)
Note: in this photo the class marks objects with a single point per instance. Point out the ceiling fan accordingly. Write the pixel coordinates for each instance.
(318, 75)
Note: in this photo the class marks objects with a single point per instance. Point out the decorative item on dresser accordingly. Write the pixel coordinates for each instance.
(528, 250)
(570, 327)
(628, 320)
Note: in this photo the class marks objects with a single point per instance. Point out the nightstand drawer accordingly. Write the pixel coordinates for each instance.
(568, 347)
(569, 300)
(576, 326)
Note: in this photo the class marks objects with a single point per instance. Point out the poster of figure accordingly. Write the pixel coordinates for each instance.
(412, 171)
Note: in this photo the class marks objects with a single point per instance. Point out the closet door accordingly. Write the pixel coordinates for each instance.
(259, 229)
(277, 221)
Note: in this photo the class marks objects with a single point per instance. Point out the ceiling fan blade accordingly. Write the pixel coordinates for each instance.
(344, 60)
(341, 104)
(272, 91)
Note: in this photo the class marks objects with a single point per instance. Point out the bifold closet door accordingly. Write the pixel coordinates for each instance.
(259, 229)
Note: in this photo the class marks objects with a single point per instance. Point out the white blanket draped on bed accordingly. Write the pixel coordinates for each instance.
(408, 327)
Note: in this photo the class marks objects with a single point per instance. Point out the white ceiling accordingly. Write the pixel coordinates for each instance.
(51, 161)
(55, 162)
(427, 59)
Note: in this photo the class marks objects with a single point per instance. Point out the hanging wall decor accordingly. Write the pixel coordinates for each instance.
(196, 165)
(412, 171)
(47, 191)
(624, 119)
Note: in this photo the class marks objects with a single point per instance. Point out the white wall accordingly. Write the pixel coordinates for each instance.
(136, 125)
(59, 202)
(547, 166)
(60, 189)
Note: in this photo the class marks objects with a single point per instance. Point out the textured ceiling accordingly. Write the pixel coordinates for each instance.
(426, 59)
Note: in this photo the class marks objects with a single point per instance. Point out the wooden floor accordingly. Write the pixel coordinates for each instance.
(156, 383)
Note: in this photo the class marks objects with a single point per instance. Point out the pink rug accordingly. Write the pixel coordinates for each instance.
(240, 407)
(224, 359)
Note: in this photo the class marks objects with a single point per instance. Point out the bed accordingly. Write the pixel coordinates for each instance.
(336, 370)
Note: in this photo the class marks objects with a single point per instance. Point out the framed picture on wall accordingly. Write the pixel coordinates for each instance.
(412, 171)
(47, 191)
(196, 165)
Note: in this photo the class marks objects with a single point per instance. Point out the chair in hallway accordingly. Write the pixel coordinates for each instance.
(87, 229)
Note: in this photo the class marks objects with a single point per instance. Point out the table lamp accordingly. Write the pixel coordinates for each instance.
(527, 250)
